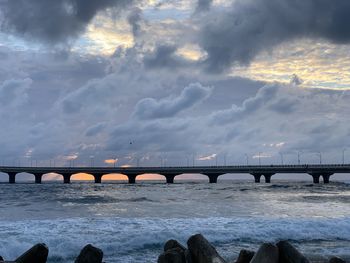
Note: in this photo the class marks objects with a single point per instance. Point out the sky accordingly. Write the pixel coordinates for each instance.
(174, 82)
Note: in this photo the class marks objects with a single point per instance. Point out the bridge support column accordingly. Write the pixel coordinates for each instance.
(98, 178)
(132, 178)
(326, 178)
(316, 178)
(257, 177)
(268, 178)
(169, 178)
(12, 178)
(213, 178)
(66, 178)
(38, 178)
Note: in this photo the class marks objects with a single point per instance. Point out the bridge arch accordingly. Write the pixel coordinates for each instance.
(86, 177)
(150, 177)
(191, 177)
(51, 177)
(25, 177)
(115, 177)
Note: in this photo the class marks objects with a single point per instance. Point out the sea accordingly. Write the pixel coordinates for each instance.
(131, 223)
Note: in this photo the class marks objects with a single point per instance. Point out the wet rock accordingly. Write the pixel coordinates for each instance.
(245, 256)
(336, 260)
(267, 253)
(202, 251)
(173, 255)
(37, 254)
(90, 254)
(173, 244)
(289, 254)
(188, 256)
(1, 258)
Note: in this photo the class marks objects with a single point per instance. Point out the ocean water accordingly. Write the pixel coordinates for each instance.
(130, 223)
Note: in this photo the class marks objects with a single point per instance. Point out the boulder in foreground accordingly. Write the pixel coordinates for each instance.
(90, 254)
(267, 253)
(336, 260)
(202, 251)
(173, 255)
(245, 256)
(289, 254)
(37, 254)
(170, 244)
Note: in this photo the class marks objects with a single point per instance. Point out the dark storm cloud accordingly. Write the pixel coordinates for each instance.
(51, 21)
(252, 26)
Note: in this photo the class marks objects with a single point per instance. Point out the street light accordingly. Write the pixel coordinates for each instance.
(299, 153)
(344, 150)
(247, 158)
(282, 160)
(320, 155)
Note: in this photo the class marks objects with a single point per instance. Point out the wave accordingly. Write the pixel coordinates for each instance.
(130, 239)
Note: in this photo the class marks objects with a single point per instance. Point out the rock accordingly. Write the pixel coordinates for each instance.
(336, 260)
(173, 255)
(1, 258)
(267, 253)
(245, 256)
(188, 256)
(37, 254)
(90, 254)
(289, 254)
(173, 244)
(202, 251)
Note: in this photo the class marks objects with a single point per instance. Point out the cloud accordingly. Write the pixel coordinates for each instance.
(203, 5)
(164, 57)
(52, 21)
(95, 129)
(149, 108)
(249, 27)
(249, 106)
(14, 91)
(134, 19)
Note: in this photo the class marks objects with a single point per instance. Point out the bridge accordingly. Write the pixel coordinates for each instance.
(212, 172)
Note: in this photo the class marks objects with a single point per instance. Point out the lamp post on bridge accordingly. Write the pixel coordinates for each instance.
(320, 155)
(344, 150)
(299, 154)
(247, 158)
(260, 158)
(282, 159)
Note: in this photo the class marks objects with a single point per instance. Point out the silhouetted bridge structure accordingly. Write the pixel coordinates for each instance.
(213, 172)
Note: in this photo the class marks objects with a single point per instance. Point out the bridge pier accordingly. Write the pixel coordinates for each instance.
(257, 177)
(316, 178)
(326, 178)
(268, 178)
(12, 178)
(132, 178)
(66, 178)
(213, 178)
(38, 178)
(98, 178)
(170, 178)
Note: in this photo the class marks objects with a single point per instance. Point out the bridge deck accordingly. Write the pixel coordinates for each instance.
(213, 172)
